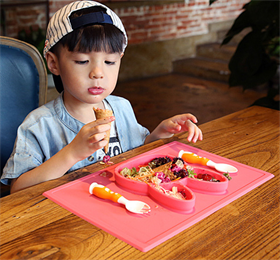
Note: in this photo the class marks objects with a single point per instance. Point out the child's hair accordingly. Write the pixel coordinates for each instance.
(96, 37)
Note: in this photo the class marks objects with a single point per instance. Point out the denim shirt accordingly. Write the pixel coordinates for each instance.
(49, 128)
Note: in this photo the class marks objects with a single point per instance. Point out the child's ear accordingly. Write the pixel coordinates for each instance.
(52, 63)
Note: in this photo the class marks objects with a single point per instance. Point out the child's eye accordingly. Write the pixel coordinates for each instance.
(110, 62)
(81, 62)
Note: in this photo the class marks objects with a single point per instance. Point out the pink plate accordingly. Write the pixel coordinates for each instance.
(183, 206)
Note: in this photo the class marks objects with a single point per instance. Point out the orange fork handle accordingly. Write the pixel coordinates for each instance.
(105, 193)
(193, 158)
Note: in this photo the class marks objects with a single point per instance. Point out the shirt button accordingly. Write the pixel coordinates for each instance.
(91, 158)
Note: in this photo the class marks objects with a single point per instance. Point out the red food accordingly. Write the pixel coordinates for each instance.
(206, 177)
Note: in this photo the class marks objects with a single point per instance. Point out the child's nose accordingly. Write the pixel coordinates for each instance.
(96, 73)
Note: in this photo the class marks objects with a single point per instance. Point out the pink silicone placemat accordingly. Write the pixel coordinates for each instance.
(145, 232)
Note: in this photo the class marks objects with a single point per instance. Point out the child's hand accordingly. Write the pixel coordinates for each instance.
(90, 138)
(177, 124)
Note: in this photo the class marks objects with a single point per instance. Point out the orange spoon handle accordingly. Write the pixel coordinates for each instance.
(193, 158)
(103, 192)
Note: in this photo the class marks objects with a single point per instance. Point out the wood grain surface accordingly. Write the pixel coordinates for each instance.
(34, 227)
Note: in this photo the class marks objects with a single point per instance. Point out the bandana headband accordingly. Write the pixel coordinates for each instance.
(91, 18)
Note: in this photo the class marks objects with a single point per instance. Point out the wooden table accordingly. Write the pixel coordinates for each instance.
(248, 228)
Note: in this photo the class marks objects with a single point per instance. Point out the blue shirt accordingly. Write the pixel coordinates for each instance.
(49, 128)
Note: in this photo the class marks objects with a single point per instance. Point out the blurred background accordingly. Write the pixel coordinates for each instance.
(183, 56)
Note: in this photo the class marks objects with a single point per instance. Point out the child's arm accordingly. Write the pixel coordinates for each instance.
(176, 124)
(89, 139)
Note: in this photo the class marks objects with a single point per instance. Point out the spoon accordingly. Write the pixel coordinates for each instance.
(103, 192)
(194, 158)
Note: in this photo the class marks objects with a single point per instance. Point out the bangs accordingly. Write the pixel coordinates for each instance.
(107, 38)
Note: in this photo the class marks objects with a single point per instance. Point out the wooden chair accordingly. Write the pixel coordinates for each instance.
(23, 87)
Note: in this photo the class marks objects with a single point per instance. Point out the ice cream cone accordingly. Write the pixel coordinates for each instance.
(103, 113)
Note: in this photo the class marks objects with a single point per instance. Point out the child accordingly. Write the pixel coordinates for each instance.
(84, 46)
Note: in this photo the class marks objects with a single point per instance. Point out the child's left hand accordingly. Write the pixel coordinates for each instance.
(174, 125)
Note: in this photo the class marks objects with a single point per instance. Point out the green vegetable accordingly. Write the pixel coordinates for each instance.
(129, 172)
(227, 176)
(191, 173)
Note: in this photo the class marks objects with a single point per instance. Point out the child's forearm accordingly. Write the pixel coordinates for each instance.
(53, 168)
(150, 138)
(157, 134)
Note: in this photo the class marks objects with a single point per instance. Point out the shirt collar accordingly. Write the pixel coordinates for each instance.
(69, 121)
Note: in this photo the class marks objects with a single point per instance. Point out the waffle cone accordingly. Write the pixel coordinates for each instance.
(104, 113)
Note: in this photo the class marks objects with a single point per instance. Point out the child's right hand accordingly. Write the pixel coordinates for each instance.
(90, 138)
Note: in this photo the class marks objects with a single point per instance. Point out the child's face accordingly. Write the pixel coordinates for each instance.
(88, 77)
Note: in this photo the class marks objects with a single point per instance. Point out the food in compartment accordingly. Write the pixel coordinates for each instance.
(172, 177)
(174, 192)
(209, 177)
(159, 170)
(206, 177)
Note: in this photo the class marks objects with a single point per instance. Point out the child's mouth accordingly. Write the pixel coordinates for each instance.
(95, 90)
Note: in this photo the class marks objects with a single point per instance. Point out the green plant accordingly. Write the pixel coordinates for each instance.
(34, 37)
(256, 58)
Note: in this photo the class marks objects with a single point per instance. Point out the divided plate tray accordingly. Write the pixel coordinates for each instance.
(168, 216)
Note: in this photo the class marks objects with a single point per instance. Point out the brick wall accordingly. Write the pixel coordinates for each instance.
(144, 23)
(156, 23)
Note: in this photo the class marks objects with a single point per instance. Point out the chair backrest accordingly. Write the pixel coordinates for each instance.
(23, 87)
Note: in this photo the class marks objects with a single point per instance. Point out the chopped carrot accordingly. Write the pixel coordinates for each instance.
(146, 176)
